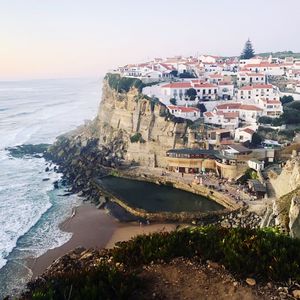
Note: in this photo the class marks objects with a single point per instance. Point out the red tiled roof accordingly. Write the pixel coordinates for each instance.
(273, 101)
(175, 85)
(228, 106)
(205, 85)
(231, 115)
(183, 108)
(208, 114)
(262, 65)
(250, 107)
(227, 142)
(248, 130)
(215, 76)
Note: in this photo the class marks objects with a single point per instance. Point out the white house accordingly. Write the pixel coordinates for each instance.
(250, 113)
(256, 164)
(266, 68)
(228, 120)
(178, 90)
(191, 113)
(271, 107)
(246, 78)
(246, 112)
(215, 78)
(225, 90)
(243, 135)
(211, 59)
(253, 60)
(267, 91)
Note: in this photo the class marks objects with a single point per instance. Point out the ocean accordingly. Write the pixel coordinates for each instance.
(33, 112)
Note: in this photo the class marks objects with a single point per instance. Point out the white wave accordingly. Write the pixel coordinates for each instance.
(30, 210)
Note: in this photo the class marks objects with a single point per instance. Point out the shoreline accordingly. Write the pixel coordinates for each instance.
(91, 228)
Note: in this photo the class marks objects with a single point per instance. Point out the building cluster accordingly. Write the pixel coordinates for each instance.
(227, 96)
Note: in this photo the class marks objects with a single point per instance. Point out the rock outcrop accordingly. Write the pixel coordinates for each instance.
(122, 116)
(294, 217)
(289, 178)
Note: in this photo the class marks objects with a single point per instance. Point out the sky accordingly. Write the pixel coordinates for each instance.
(76, 38)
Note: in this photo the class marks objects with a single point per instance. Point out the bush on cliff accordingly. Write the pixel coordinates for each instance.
(124, 84)
(105, 281)
(137, 137)
(263, 254)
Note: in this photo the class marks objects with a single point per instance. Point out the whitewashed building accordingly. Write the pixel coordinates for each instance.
(267, 91)
(246, 78)
(190, 113)
(271, 107)
(178, 91)
(227, 120)
(243, 135)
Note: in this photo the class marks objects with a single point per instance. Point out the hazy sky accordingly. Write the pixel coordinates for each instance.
(62, 38)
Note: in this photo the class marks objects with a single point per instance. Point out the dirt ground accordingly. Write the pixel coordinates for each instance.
(185, 279)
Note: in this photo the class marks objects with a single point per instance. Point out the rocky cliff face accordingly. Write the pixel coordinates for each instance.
(294, 217)
(286, 204)
(289, 178)
(122, 116)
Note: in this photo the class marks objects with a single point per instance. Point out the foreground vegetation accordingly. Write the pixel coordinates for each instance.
(263, 254)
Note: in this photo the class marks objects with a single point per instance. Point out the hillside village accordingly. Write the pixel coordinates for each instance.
(237, 105)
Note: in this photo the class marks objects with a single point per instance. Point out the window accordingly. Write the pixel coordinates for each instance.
(209, 91)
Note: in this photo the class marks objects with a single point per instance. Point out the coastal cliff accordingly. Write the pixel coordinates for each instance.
(139, 128)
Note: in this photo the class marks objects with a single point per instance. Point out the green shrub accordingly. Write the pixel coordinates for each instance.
(260, 253)
(264, 253)
(286, 99)
(173, 101)
(137, 137)
(124, 84)
(104, 282)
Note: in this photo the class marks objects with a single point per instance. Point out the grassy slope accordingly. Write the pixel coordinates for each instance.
(263, 254)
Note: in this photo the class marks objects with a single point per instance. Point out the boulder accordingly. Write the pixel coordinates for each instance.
(296, 294)
(251, 281)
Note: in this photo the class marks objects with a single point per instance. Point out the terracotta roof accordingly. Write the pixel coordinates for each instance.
(175, 85)
(215, 76)
(273, 101)
(231, 115)
(205, 85)
(228, 106)
(248, 130)
(183, 108)
(208, 114)
(262, 65)
(250, 107)
(167, 66)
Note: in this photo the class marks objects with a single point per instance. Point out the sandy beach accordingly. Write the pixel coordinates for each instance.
(92, 228)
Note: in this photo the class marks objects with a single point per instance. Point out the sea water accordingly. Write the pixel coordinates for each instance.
(33, 112)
